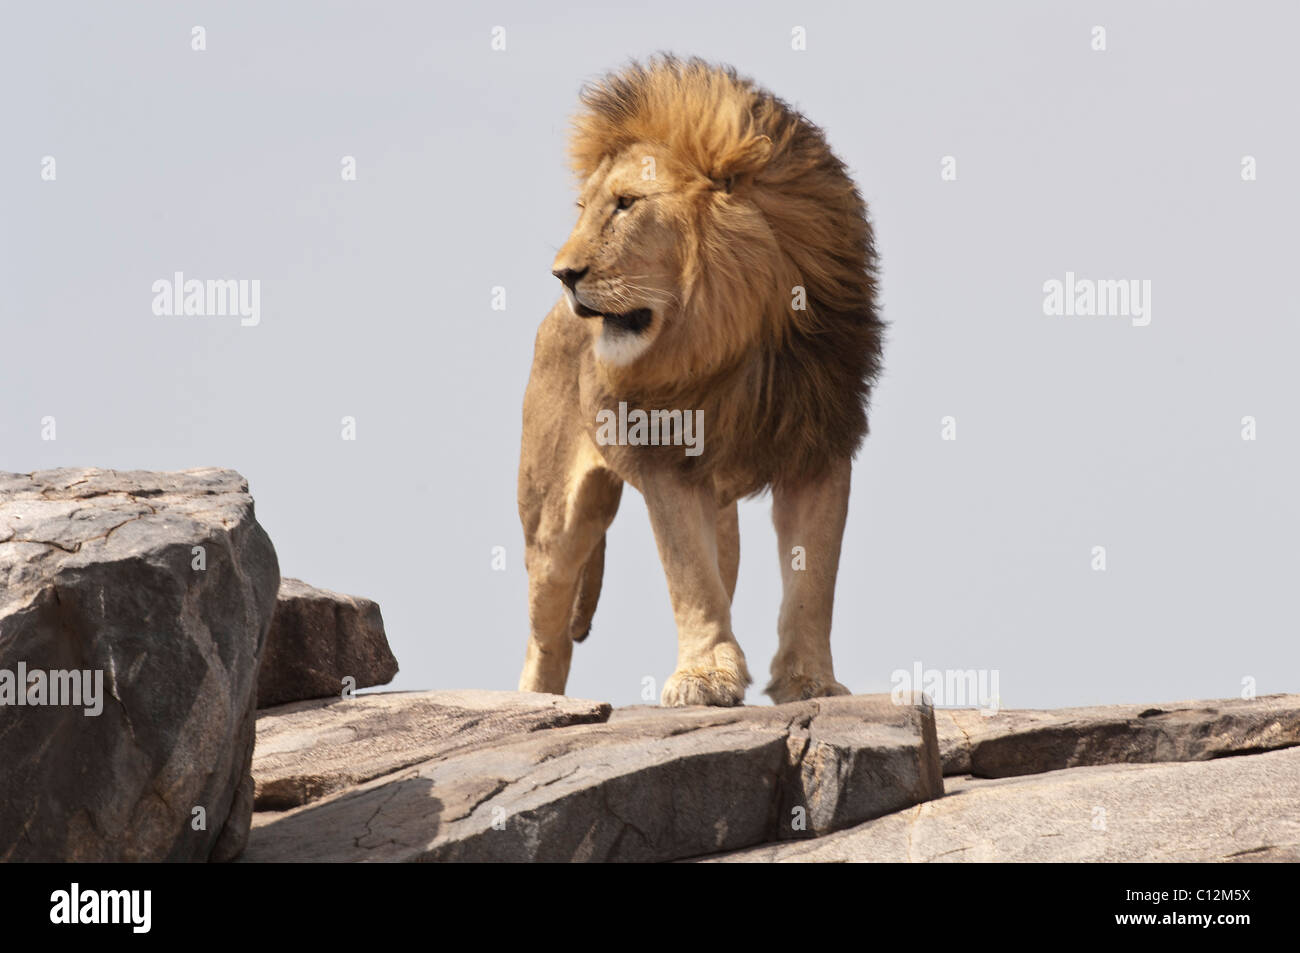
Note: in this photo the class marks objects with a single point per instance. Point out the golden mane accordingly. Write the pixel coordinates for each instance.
(787, 388)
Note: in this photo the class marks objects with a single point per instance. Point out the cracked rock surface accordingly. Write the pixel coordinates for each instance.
(649, 784)
(310, 749)
(1012, 743)
(98, 573)
(505, 776)
(1238, 809)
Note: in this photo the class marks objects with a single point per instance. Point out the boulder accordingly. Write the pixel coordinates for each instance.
(1237, 809)
(1011, 743)
(650, 784)
(150, 594)
(318, 638)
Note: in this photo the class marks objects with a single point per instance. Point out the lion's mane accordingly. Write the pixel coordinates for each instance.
(784, 391)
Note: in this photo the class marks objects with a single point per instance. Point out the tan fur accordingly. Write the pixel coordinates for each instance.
(709, 208)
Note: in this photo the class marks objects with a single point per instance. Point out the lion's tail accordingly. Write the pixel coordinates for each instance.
(588, 593)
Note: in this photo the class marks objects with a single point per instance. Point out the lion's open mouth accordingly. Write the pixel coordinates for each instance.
(631, 322)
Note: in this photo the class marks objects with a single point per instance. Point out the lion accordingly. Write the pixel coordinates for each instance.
(722, 271)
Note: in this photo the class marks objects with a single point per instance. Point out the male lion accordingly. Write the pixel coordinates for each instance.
(722, 266)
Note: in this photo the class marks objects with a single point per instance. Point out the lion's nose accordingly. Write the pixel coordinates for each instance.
(569, 276)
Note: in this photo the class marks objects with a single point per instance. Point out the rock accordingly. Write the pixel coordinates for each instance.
(317, 639)
(1014, 743)
(863, 756)
(649, 784)
(161, 585)
(310, 749)
(1230, 809)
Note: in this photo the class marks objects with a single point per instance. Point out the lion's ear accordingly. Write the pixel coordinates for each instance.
(747, 158)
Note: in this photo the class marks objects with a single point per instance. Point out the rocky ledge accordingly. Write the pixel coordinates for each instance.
(1238, 809)
(505, 776)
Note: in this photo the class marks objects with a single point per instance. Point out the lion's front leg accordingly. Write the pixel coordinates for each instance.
(710, 665)
(564, 544)
(809, 529)
(567, 499)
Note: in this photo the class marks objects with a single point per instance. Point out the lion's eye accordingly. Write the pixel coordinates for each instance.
(625, 201)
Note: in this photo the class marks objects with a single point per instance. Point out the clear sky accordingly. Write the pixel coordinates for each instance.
(376, 303)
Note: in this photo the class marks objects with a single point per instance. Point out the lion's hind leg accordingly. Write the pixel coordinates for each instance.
(810, 528)
(588, 594)
(729, 547)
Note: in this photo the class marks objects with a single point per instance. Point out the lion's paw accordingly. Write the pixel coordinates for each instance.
(722, 685)
(794, 688)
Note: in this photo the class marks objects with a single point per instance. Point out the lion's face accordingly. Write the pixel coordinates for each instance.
(621, 266)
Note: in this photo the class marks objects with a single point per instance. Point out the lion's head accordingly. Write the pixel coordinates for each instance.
(719, 236)
(633, 259)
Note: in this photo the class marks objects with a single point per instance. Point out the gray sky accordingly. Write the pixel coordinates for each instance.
(1072, 432)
